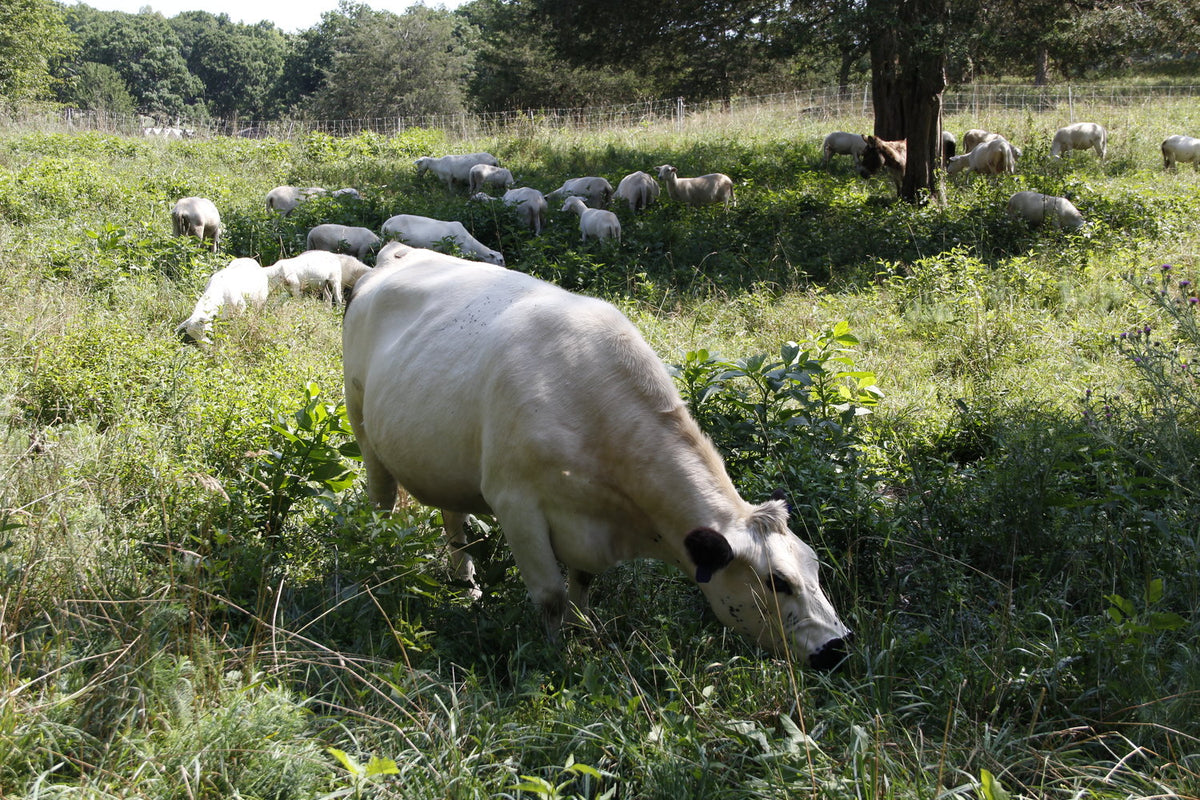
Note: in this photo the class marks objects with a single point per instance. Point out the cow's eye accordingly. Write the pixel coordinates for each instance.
(779, 584)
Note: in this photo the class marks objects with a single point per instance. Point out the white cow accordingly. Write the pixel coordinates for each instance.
(1079, 136)
(420, 231)
(481, 390)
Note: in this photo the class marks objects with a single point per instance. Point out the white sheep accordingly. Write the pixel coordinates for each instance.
(1037, 209)
(352, 271)
(1181, 149)
(426, 232)
(343, 239)
(1079, 136)
(282, 199)
(840, 143)
(594, 223)
(638, 189)
(227, 293)
(975, 137)
(993, 157)
(594, 191)
(196, 216)
(348, 191)
(486, 174)
(454, 168)
(530, 204)
(704, 190)
(313, 269)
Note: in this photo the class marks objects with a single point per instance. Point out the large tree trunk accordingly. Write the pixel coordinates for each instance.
(908, 76)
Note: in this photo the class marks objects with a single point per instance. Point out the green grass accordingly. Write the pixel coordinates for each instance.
(1012, 534)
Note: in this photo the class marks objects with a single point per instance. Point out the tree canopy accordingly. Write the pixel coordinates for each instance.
(34, 41)
(493, 55)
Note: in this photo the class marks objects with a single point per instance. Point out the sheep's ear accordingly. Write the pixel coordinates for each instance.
(709, 551)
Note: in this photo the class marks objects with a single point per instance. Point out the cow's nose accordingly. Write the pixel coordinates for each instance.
(831, 655)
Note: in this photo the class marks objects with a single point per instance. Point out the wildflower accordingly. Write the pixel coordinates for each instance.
(1165, 267)
(1193, 300)
(1183, 284)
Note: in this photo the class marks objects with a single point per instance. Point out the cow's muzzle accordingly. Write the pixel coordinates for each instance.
(831, 655)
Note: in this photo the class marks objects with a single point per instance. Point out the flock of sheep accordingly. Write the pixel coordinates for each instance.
(336, 254)
(991, 154)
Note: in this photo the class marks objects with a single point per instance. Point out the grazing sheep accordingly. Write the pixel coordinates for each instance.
(1079, 136)
(840, 143)
(227, 293)
(883, 154)
(596, 192)
(594, 223)
(993, 157)
(639, 189)
(1182, 149)
(704, 190)
(949, 146)
(312, 269)
(282, 199)
(486, 174)
(1037, 209)
(196, 216)
(975, 137)
(454, 168)
(343, 239)
(426, 232)
(348, 191)
(530, 204)
(352, 271)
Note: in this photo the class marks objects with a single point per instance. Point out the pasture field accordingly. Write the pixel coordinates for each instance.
(196, 601)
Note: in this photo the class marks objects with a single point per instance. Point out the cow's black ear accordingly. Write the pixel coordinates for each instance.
(709, 551)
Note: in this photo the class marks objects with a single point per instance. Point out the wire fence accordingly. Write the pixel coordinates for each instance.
(829, 102)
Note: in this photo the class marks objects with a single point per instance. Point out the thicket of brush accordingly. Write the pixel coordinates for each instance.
(197, 601)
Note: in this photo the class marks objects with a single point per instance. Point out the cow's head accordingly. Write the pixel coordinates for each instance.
(761, 580)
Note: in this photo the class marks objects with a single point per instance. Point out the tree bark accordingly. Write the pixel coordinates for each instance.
(908, 76)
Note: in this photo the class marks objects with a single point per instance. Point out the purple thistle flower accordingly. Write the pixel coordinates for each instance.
(1183, 284)
(1165, 267)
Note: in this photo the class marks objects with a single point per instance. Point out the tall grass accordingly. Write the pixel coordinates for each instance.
(189, 608)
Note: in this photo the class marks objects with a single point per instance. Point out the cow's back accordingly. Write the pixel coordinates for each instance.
(462, 371)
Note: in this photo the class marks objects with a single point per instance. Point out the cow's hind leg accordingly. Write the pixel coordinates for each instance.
(460, 560)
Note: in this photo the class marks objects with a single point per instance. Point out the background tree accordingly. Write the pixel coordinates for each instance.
(34, 40)
(97, 87)
(908, 76)
(387, 65)
(516, 64)
(146, 52)
(238, 64)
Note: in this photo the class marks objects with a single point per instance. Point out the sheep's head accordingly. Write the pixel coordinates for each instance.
(422, 165)
(575, 205)
(666, 170)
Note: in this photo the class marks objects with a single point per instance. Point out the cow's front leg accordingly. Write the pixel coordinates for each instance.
(528, 536)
